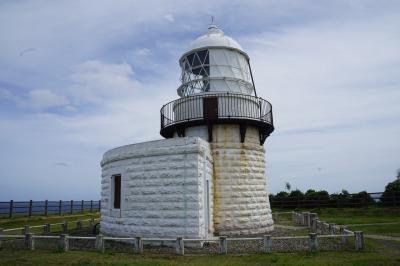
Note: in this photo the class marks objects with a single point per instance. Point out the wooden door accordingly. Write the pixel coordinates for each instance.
(210, 108)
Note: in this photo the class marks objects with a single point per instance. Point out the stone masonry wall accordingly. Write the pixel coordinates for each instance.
(241, 203)
(163, 189)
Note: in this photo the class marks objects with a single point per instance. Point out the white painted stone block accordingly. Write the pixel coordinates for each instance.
(163, 190)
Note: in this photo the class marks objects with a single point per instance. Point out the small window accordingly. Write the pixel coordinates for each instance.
(117, 191)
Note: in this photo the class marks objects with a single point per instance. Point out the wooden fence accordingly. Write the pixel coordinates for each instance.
(46, 207)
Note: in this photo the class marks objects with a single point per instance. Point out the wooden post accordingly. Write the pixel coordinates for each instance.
(46, 206)
(65, 227)
(267, 243)
(30, 208)
(11, 208)
(59, 207)
(82, 203)
(313, 242)
(72, 206)
(100, 243)
(91, 205)
(179, 246)
(79, 225)
(138, 245)
(99, 205)
(343, 238)
(359, 240)
(223, 245)
(64, 242)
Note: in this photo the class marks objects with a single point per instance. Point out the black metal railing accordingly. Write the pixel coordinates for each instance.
(349, 200)
(47, 207)
(231, 107)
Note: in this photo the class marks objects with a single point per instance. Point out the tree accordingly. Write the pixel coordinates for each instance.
(281, 195)
(296, 194)
(391, 195)
(363, 197)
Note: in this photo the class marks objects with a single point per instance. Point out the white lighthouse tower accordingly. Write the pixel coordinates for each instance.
(208, 176)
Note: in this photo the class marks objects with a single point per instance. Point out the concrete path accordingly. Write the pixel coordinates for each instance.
(381, 237)
(372, 224)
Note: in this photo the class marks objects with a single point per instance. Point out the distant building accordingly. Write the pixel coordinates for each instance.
(208, 176)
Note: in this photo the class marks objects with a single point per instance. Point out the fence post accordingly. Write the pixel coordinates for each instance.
(25, 230)
(332, 229)
(59, 207)
(46, 228)
(46, 205)
(138, 245)
(91, 205)
(1, 233)
(267, 244)
(65, 227)
(100, 243)
(91, 223)
(179, 246)
(72, 206)
(64, 242)
(313, 242)
(11, 208)
(99, 205)
(343, 238)
(314, 228)
(79, 225)
(82, 203)
(29, 241)
(359, 240)
(30, 208)
(223, 247)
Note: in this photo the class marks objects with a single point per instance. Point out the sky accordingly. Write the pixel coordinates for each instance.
(81, 77)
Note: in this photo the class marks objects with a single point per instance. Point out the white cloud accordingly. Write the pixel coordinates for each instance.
(43, 99)
(169, 17)
(97, 82)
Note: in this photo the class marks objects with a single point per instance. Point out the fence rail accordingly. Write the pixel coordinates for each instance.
(322, 236)
(350, 200)
(46, 207)
(311, 242)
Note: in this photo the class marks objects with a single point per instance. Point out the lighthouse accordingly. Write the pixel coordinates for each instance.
(207, 177)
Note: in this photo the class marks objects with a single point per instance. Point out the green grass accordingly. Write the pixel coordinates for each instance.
(16, 222)
(376, 253)
(384, 229)
(359, 215)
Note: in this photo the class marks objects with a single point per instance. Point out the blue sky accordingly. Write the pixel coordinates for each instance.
(80, 77)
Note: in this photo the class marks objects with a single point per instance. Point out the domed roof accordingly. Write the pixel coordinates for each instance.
(215, 37)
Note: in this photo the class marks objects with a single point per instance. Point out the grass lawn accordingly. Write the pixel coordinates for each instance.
(376, 253)
(20, 221)
(359, 215)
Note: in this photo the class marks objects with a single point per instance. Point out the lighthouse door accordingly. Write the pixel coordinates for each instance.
(210, 108)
